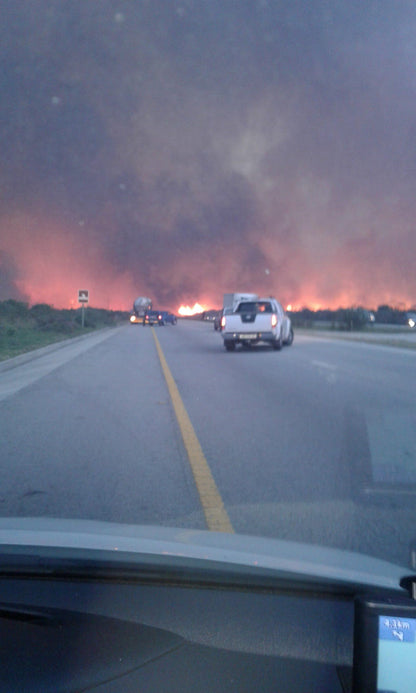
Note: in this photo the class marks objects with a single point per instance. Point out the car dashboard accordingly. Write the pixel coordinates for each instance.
(68, 636)
(152, 609)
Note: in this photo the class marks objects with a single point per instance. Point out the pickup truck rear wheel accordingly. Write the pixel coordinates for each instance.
(277, 344)
(229, 345)
(289, 340)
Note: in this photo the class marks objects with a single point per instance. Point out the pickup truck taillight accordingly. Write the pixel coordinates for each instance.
(223, 322)
(274, 320)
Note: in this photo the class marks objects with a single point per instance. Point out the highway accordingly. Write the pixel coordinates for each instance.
(315, 443)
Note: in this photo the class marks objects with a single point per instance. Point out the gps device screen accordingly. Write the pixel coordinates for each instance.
(396, 670)
(385, 646)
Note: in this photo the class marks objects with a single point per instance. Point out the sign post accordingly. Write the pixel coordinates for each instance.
(83, 299)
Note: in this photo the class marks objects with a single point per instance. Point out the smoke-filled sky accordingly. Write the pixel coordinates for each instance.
(183, 149)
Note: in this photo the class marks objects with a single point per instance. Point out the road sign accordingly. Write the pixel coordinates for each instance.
(82, 296)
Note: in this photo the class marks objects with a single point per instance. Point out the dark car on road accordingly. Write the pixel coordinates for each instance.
(153, 317)
(168, 318)
(217, 320)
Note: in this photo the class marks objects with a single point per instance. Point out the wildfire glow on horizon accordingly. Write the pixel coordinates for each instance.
(48, 262)
(187, 311)
(179, 156)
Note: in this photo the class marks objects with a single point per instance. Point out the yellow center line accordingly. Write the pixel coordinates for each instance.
(215, 513)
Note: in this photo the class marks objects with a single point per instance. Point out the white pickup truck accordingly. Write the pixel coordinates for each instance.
(254, 321)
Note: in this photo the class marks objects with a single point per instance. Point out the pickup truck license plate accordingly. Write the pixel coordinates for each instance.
(248, 335)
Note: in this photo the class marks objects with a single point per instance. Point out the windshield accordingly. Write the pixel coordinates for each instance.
(169, 155)
(258, 307)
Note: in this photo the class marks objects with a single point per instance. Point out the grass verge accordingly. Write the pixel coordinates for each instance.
(23, 329)
(381, 339)
(18, 340)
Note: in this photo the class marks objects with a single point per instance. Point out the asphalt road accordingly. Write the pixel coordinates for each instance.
(315, 443)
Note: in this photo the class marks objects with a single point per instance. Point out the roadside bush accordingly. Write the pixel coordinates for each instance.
(352, 318)
(13, 310)
(99, 317)
(390, 316)
(88, 319)
(341, 319)
(51, 320)
(42, 313)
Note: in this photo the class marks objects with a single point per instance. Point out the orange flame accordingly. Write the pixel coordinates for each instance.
(187, 310)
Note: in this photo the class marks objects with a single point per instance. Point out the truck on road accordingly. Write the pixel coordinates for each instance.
(140, 308)
(254, 320)
(231, 301)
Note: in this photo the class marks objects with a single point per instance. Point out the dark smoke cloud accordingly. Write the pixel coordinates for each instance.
(8, 278)
(191, 148)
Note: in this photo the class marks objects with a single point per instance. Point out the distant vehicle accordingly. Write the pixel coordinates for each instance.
(168, 318)
(217, 320)
(153, 317)
(251, 322)
(140, 306)
(231, 301)
(209, 315)
(411, 319)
